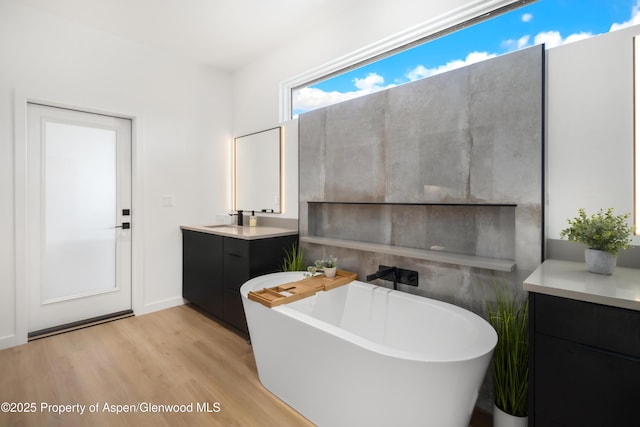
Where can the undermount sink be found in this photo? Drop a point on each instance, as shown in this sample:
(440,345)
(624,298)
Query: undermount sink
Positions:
(222,226)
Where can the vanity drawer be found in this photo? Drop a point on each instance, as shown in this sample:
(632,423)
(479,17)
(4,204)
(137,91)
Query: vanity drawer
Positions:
(236,247)
(600,326)
(577,385)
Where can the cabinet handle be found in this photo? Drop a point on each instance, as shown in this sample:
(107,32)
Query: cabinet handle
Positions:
(232,254)
(611,353)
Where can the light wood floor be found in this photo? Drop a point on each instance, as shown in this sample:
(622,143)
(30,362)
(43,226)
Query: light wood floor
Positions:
(176,357)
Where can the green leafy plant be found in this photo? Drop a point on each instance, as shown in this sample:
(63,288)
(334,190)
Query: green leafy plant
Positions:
(329,262)
(293,259)
(321,264)
(510,370)
(602,231)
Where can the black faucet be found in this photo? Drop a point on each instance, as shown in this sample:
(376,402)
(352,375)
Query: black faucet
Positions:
(398,275)
(384,273)
(239,213)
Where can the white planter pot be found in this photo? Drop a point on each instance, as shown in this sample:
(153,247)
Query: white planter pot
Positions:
(330,272)
(502,419)
(600,262)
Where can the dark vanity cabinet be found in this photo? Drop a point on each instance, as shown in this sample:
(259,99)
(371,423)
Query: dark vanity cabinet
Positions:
(202,259)
(214,268)
(584,363)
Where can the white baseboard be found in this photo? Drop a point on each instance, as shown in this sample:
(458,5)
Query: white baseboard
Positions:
(10,341)
(159,305)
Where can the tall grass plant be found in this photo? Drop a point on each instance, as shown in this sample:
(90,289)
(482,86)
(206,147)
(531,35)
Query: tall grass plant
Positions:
(510,369)
(293,259)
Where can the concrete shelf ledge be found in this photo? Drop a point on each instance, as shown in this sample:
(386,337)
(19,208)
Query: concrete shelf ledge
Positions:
(425,254)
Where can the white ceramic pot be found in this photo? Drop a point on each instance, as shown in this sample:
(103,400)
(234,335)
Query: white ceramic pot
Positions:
(502,419)
(600,262)
(330,272)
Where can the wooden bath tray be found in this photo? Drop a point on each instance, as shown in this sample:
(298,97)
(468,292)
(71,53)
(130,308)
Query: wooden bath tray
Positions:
(295,291)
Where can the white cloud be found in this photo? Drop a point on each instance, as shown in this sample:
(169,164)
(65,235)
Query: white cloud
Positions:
(549,38)
(372,81)
(512,44)
(635,19)
(554,38)
(577,37)
(421,71)
(309,98)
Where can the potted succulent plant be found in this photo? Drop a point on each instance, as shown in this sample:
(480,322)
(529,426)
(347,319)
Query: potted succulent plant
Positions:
(327,265)
(604,234)
(510,365)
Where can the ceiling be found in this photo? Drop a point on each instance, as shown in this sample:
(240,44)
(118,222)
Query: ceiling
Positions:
(225,34)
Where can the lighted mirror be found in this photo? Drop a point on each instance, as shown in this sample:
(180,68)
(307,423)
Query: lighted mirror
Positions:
(257,165)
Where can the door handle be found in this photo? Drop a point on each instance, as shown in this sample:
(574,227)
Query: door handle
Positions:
(124,226)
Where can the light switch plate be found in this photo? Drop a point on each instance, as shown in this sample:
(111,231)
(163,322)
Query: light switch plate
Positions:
(167,202)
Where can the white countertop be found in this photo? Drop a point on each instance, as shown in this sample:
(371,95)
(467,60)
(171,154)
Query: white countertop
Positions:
(573,280)
(241,232)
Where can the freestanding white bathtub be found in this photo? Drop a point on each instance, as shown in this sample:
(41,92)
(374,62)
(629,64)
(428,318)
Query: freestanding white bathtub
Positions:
(364,355)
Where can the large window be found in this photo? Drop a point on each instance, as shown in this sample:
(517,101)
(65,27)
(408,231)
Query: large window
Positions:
(553,22)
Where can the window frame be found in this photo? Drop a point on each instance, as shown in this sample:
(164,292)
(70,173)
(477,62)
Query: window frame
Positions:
(454,20)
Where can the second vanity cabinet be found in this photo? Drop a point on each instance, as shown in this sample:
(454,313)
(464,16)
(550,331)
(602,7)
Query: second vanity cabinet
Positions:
(216,266)
(584,352)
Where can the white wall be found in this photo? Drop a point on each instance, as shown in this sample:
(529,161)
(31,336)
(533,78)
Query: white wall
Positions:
(183,138)
(590,127)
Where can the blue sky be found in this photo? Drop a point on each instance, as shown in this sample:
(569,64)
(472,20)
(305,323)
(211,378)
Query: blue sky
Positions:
(553,22)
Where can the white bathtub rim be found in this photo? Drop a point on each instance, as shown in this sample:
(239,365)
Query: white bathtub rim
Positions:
(356,339)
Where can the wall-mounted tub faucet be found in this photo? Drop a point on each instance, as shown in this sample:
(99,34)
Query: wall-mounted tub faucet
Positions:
(397,275)
(385,273)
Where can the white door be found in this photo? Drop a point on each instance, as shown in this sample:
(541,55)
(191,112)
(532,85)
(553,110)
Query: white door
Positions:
(78,216)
